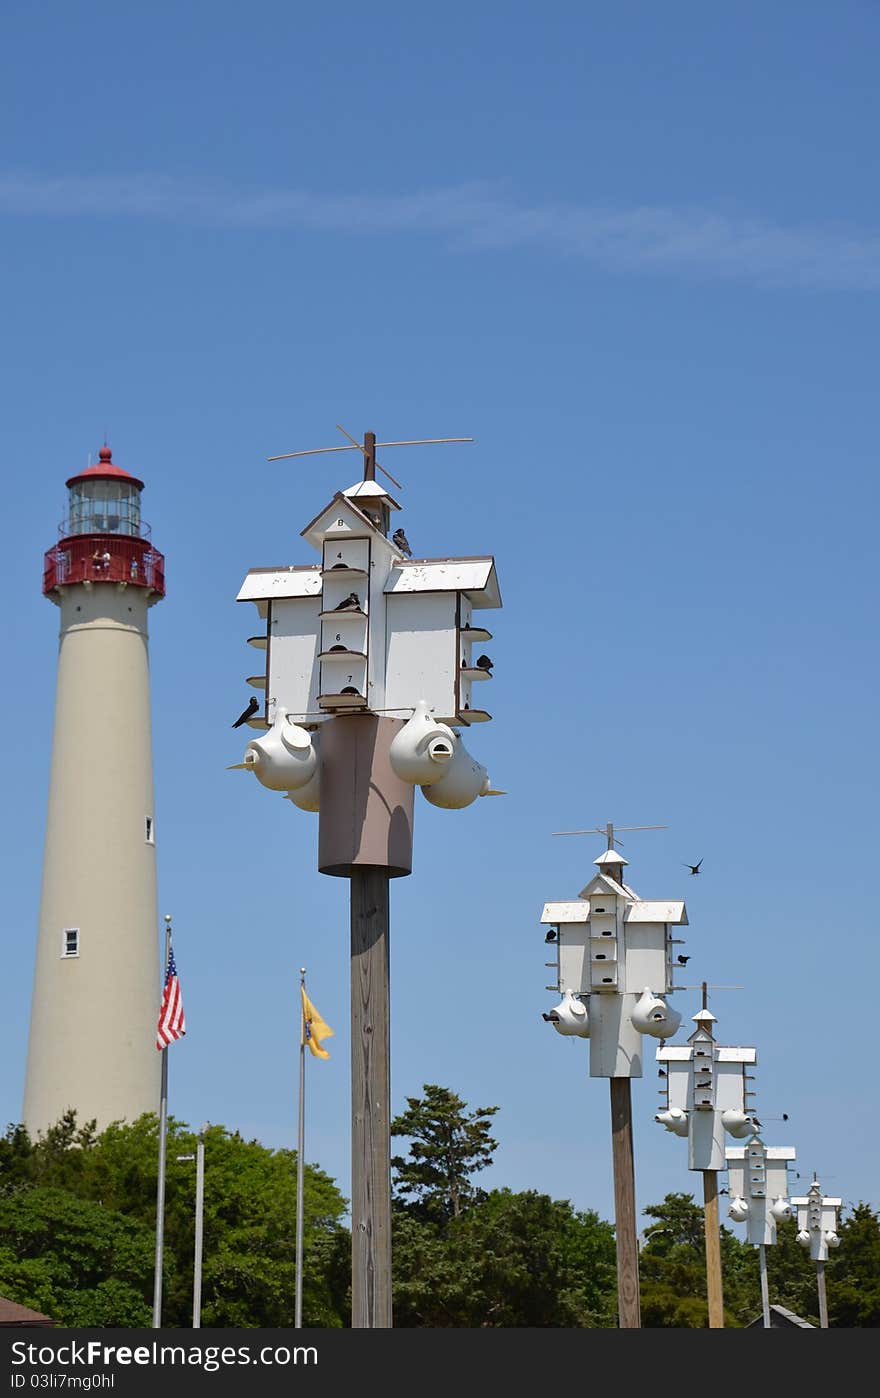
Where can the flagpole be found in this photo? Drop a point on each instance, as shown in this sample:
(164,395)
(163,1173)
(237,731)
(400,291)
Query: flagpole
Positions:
(300,1158)
(160,1186)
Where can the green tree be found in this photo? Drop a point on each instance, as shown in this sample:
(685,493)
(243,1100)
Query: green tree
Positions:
(672,1269)
(853,1271)
(67,1256)
(448,1145)
(249,1227)
(464,1257)
(511,1259)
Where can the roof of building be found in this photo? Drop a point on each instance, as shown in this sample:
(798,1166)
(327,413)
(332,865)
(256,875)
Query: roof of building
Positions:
(11,1313)
(104,469)
(782,1319)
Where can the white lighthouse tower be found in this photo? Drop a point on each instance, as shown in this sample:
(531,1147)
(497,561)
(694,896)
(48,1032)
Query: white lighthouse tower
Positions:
(93,1017)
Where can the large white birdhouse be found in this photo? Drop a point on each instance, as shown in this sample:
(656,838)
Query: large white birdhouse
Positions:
(757,1178)
(818,1218)
(614,956)
(372,633)
(706,1093)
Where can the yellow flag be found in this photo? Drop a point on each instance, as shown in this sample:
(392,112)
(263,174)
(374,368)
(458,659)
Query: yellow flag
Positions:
(314,1027)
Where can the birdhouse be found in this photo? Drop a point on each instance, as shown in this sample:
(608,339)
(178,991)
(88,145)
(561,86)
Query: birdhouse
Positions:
(818,1221)
(371,634)
(758,1177)
(614,952)
(369,629)
(707,1082)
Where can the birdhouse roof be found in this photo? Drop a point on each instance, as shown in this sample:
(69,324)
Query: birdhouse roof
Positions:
(370,490)
(770,1152)
(610,856)
(704,1018)
(303,580)
(475,577)
(576,911)
(604,883)
(656,912)
(354,522)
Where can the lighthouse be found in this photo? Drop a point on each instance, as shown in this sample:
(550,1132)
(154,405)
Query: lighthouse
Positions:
(96,981)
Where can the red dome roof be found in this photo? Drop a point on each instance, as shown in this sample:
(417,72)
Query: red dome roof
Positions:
(104,469)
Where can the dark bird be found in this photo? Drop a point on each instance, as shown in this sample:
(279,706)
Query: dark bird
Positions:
(551,935)
(661,1072)
(350,601)
(755,1121)
(400,539)
(253,705)
(551,1018)
(785,1116)
(682,960)
(483,662)
(694,868)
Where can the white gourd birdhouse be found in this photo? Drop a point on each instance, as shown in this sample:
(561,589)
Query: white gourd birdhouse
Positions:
(614,952)
(707,1082)
(758,1181)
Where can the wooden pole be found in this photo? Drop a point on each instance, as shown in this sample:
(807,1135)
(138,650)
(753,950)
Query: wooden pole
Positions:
(823,1299)
(628,1302)
(370,1101)
(713,1250)
(765,1290)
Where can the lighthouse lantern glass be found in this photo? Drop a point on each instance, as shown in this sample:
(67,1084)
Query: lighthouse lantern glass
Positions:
(105,507)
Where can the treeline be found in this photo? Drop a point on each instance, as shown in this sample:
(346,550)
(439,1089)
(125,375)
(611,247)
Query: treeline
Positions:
(77,1237)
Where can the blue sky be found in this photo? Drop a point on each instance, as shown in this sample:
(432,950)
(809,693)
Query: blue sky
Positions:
(634,251)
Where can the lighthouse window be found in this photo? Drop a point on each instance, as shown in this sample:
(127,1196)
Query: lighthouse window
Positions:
(70,941)
(149,830)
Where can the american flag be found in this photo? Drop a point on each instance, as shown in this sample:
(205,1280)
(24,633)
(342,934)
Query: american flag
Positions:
(171,1024)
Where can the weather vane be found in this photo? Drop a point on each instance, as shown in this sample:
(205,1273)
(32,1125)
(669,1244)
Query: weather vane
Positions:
(371,465)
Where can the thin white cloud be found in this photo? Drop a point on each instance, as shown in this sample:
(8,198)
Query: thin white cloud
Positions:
(692,242)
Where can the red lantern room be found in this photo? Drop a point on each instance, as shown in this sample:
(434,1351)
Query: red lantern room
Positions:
(104,539)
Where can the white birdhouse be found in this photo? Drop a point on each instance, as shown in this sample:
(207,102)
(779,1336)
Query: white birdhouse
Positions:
(707,1083)
(818,1219)
(758,1181)
(614,953)
(371,631)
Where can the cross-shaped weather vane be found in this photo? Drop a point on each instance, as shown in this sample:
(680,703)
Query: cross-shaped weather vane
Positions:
(370,445)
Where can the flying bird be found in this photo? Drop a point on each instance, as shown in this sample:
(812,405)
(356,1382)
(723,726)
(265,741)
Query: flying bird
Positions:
(483,662)
(347,603)
(253,705)
(400,539)
(682,960)
(694,868)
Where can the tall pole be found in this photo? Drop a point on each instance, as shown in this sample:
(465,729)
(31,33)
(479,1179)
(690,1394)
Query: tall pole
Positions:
(765,1290)
(713,1249)
(628,1302)
(370,1100)
(300,1158)
(823,1299)
(160,1185)
(200,1214)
